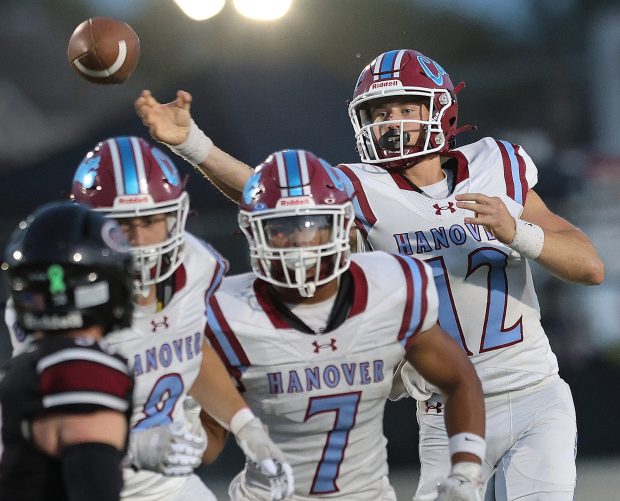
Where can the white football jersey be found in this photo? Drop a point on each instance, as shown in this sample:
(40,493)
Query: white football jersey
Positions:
(164,350)
(487,300)
(322,396)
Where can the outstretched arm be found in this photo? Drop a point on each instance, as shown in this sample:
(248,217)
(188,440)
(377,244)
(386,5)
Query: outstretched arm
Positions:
(171,123)
(556,244)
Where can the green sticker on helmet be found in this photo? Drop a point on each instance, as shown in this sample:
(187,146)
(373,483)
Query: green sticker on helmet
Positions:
(56,275)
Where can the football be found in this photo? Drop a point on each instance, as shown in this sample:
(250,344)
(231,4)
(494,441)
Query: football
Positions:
(103,50)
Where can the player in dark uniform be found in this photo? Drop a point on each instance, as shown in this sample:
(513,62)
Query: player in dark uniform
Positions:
(66,401)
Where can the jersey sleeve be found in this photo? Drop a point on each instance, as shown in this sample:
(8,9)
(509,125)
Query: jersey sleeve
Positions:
(224,341)
(520,172)
(421,303)
(365,218)
(79,379)
(220,268)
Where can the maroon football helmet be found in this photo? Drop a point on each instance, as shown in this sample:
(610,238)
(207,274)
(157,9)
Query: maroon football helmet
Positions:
(126,177)
(392,76)
(296,213)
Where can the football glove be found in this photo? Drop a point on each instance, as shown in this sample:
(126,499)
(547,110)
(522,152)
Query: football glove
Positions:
(267,457)
(172,450)
(463,483)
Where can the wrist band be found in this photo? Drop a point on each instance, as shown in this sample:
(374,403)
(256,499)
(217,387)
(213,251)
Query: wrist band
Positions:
(468,442)
(195,149)
(240,419)
(529,239)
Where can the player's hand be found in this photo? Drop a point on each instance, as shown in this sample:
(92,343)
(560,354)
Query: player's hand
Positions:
(463,484)
(267,457)
(168,123)
(172,450)
(490,212)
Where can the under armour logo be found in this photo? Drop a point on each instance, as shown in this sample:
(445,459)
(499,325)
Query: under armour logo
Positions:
(438,208)
(318,347)
(157,325)
(429,407)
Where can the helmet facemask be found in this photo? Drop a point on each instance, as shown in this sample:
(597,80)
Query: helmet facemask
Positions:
(154,263)
(301,248)
(374,148)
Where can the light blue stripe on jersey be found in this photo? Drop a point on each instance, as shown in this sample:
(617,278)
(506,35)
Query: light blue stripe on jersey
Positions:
(128,164)
(216,328)
(291,162)
(416,315)
(514,169)
(387,64)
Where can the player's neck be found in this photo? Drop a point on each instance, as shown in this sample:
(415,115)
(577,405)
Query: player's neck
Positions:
(322,293)
(148,299)
(426,172)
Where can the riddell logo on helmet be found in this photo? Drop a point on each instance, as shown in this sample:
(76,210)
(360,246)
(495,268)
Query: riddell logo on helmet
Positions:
(133,199)
(294,202)
(386,83)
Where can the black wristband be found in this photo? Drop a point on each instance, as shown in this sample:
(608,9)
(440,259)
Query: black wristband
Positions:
(92,472)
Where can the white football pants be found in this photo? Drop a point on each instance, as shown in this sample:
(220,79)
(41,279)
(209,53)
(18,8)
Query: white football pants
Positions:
(183,489)
(531,444)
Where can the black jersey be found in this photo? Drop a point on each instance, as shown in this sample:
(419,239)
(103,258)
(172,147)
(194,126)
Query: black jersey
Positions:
(59,375)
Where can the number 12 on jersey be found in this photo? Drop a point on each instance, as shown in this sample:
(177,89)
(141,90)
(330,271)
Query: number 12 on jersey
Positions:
(494,335)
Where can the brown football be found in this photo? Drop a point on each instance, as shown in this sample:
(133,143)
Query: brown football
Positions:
(103,50)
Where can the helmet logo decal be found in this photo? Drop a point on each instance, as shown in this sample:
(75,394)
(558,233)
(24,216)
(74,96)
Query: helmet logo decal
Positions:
(385,83)
(252,188)
(436,76)
(56,276)
(387,65)
(167,167)
(87,172)
(295,202)
(293,173)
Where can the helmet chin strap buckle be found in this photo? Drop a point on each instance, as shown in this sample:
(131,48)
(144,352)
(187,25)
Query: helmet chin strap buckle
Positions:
(306,289)
(391,140)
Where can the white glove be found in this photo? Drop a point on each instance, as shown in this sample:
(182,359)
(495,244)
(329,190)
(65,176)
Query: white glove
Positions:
(463,483)
(252,437)
(192,409)
(172,450)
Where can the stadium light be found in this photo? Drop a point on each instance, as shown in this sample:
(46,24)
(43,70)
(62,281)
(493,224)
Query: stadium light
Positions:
(199,10)
(263,10)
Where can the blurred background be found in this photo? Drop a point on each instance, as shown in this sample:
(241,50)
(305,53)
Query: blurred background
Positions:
(541,73)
